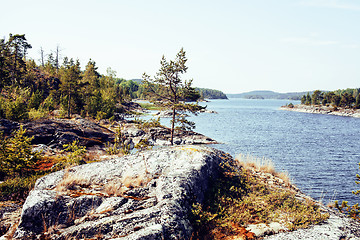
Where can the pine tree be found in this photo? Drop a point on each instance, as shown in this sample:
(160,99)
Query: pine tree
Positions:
(357,102)
(308,99)
(91,91)
(303,99)
(171,92)
(70,79)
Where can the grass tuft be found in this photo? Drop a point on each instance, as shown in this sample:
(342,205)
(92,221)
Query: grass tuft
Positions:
(72,182)
(264,165)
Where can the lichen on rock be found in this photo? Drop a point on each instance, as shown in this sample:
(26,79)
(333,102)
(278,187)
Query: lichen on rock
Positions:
(155,207)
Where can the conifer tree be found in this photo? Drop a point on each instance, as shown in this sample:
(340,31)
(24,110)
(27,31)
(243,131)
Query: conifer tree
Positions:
(91,91)
(308,99)
(70,78)
(171,92)
(16,155)
(18,47)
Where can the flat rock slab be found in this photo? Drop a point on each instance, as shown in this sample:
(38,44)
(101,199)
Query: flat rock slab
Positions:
(147,195)
(57,132)
(337,227)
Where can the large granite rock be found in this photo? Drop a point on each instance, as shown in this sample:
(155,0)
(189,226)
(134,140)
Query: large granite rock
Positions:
(54,133)
(147,195)
(57,132)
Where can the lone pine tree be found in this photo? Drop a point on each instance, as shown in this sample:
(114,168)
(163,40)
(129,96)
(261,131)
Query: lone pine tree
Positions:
(169,91)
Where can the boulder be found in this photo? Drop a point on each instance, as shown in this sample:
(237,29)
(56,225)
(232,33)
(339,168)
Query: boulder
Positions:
(147,195)
(57,132)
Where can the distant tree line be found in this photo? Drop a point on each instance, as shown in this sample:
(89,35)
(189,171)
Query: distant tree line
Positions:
(206,93)
(348,98)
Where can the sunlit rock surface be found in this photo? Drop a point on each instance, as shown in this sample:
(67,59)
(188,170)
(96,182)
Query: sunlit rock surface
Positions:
(142,196)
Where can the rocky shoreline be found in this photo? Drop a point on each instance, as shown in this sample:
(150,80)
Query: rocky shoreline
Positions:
(147,195)
(51,134)
(317,109)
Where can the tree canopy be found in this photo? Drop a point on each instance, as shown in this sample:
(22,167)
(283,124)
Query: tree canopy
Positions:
(30,91)
(347,98)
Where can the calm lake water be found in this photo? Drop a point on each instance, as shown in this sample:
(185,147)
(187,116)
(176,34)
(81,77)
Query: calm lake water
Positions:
(320,152)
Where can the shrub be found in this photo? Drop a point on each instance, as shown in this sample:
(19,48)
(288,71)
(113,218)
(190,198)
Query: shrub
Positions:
(75,153)
(100,115)
(35,114)
(35,100)
(352,211)
(16,155)
(17,188)
(146,124)
(16,110)
(238,198)
(120,145)
(48,104)
(290,105)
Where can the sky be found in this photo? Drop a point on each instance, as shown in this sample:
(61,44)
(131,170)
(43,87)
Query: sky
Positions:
(232,45)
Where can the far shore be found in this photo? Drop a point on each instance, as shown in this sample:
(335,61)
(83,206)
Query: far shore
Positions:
(318,109)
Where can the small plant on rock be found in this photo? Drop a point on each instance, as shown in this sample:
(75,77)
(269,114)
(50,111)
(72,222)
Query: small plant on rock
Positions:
(75,152)
(120,145)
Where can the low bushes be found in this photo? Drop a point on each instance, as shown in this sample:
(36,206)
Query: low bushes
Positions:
(239,198)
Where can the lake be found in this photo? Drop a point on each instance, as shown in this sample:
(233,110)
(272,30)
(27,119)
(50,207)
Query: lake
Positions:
(320,152)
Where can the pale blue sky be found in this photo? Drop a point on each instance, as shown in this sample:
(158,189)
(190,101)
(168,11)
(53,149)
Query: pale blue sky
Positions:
(232,45)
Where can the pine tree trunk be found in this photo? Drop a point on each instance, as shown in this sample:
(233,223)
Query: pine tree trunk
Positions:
(173,127)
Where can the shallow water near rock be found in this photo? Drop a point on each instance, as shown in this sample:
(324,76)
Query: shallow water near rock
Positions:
(320,152)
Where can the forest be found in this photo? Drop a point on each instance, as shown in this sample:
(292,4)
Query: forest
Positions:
(347,98)
(206,93)
(30,90)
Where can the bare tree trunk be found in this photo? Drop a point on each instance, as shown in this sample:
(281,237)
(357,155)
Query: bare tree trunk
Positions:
(57,53)
(42,56)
